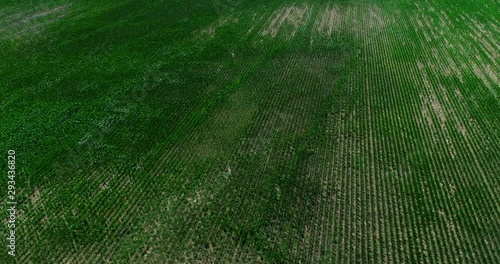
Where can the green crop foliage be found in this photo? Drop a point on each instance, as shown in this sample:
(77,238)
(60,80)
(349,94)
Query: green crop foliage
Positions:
(259,131)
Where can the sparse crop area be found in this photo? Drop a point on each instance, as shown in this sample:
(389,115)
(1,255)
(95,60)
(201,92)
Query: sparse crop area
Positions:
(258,131)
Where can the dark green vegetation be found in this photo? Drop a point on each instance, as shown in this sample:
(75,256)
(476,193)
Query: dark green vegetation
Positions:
(252,131)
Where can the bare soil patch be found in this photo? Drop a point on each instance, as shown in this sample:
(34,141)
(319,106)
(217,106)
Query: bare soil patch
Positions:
(18,25)
(292,16)
(330,20)
(35,196)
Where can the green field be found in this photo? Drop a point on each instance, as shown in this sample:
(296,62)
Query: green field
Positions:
(251,131)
